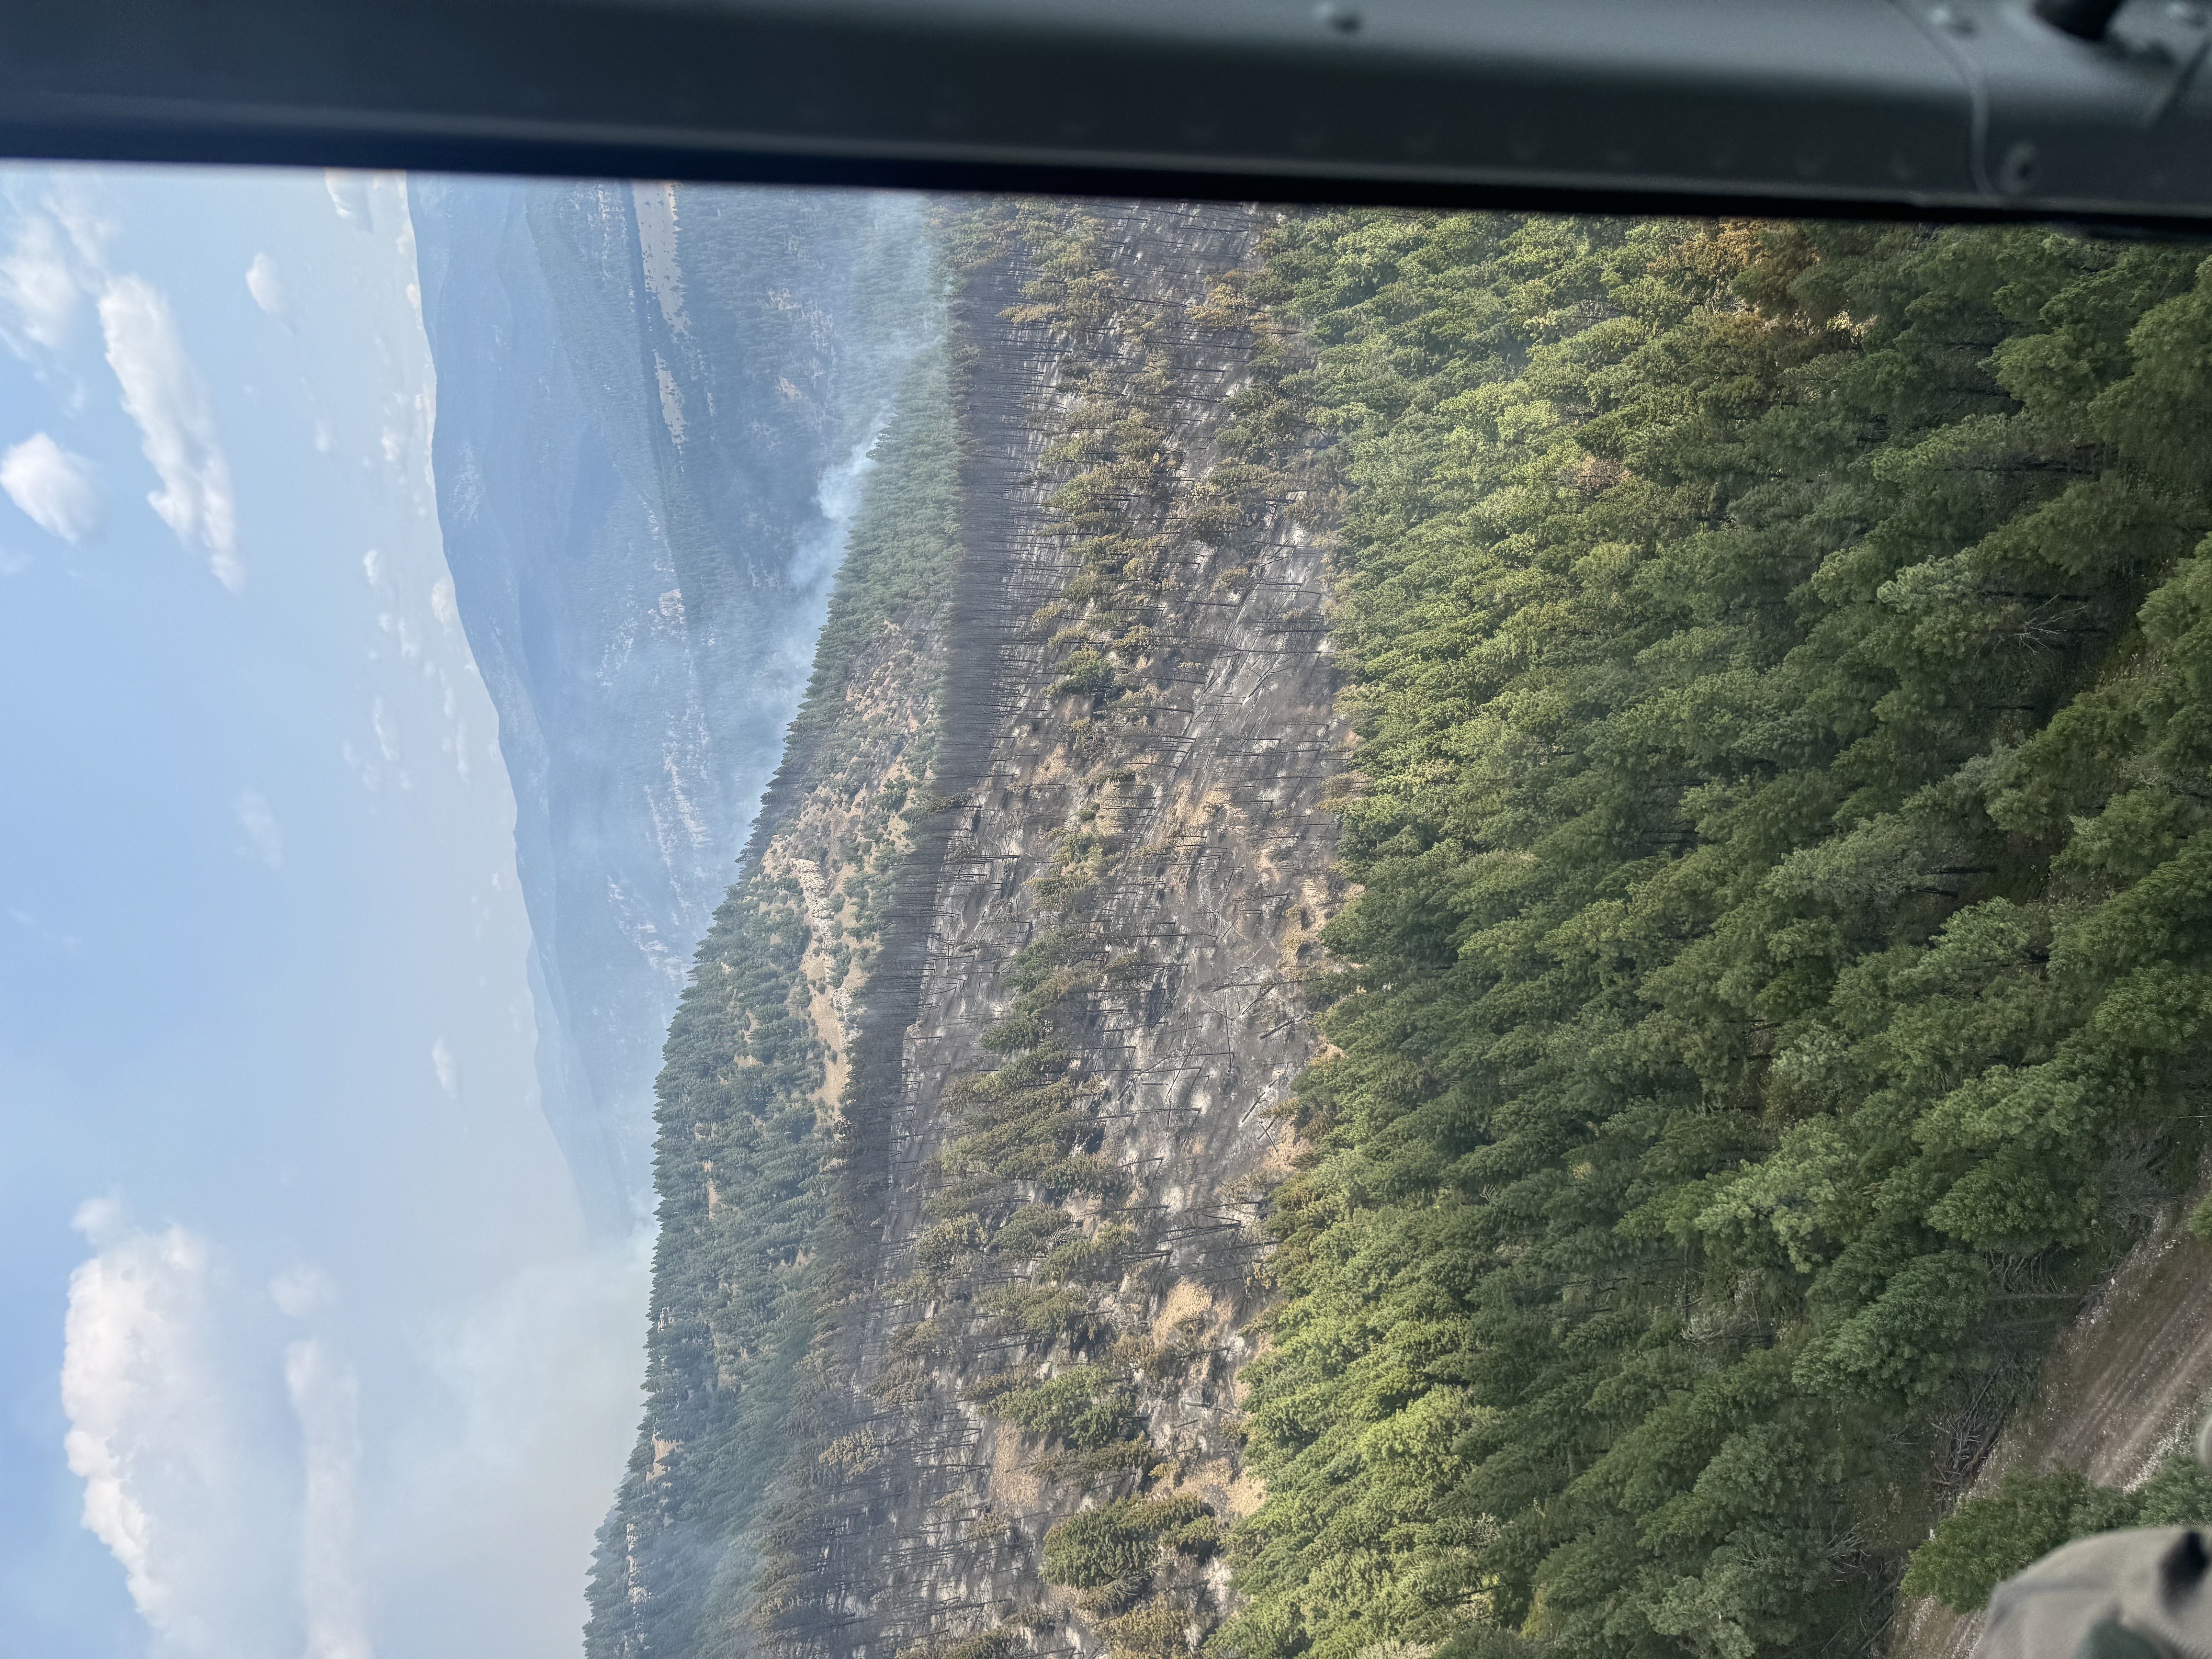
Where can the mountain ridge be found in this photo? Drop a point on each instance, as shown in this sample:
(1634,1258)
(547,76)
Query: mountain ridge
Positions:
(641,585)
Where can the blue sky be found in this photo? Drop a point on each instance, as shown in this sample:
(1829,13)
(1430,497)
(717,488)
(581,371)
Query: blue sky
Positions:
(305,1349)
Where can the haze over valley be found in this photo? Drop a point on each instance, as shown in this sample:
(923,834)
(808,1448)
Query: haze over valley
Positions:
(655,409)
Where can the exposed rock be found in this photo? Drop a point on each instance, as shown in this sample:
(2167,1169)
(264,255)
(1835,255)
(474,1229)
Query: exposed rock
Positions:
(1069,803)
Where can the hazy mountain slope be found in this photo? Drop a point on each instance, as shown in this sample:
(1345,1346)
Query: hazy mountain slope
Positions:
(1041,872)
(759,1058)
(653,404)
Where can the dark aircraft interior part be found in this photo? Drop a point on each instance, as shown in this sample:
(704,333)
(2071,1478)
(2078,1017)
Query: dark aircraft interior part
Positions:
(1953,107)
(2086,20)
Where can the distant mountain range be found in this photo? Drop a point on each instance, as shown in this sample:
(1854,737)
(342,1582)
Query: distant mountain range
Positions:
(654,404)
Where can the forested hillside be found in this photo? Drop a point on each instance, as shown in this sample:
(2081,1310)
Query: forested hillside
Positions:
(965,1133)
(1779,985)
(1751,681)
(758,1064)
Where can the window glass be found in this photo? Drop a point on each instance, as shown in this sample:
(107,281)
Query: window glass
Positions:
(830,923)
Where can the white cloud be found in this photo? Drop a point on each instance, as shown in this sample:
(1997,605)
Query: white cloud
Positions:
(260,826)
(123,1311)
(102,1220)
(264,284)
(349,193)
(262,1507)
(163,392)
(447,1069)
(39,292)
(59,491)
(160,1432)
(326,1399)
(77,204)
(442,606)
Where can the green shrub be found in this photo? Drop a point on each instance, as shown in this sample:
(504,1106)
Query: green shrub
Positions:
(1115,1543)
(1987,1540)
(1028,1230)
(1082,1407)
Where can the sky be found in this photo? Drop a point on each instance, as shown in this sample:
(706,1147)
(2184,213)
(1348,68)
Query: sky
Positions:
(303,1348)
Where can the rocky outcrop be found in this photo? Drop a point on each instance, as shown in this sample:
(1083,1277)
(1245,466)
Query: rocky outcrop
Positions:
(1186,1027)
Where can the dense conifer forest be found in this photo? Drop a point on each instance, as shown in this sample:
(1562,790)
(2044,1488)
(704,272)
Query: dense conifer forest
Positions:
(1778,984)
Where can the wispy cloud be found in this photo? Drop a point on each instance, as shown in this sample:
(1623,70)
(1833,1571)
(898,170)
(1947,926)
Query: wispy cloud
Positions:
(301,1290)
(447,1069)
(58,255)
(349,194)
(370,776)
(260,827)
(163,392)
(79,204)
(265,286)
(57,489)
(39,292)
(68,943)
(161,389)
